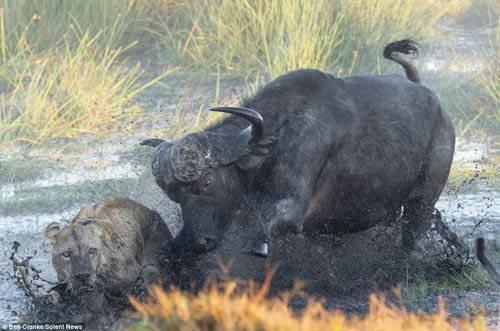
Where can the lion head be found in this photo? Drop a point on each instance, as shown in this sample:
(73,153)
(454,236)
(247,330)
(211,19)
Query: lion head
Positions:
(77,253)
(105,245)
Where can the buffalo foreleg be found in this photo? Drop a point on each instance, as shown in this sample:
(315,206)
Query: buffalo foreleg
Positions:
(272,219)
(257,235)
(287,217)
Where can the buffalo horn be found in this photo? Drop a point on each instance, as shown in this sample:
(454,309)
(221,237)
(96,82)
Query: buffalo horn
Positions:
(250,115)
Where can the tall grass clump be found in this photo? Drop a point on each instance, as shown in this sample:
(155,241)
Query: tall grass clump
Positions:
(45,22)
(190,115)
(272,37)
(489,82)
(77,87)
(229,308)
(479,13)
(369,25)
(277,36)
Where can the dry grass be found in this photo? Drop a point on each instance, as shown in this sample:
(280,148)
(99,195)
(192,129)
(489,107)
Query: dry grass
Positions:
(475,105)
(45,22)
(228,307)
(78,87)
(63,71)
(485,169)
(190,113)
(270,38)
(489,82)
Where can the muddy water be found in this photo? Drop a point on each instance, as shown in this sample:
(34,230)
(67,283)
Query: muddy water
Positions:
(26,208)
(471,211)
(28,230)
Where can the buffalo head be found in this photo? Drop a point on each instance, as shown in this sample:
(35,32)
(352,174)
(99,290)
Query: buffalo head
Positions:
(202,172)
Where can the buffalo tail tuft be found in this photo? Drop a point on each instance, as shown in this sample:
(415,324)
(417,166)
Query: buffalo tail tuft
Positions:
(405,46)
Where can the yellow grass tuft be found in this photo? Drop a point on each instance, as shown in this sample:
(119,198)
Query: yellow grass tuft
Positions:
(228,307)
(489,81)
(270,38)
(67,91)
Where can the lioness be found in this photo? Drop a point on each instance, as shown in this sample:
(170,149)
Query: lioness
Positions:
(112,245)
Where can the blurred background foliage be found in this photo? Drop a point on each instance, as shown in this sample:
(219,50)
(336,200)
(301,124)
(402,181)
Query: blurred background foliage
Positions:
(77,67)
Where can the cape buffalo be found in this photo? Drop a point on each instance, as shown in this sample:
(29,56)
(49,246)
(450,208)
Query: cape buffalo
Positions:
(321,153)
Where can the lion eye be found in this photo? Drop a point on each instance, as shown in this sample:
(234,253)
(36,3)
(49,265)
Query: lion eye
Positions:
(66,254)
(93,251)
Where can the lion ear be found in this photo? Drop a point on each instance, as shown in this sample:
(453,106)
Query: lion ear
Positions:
(51,233)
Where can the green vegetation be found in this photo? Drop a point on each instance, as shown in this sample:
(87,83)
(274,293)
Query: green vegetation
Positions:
(489,83)
(66,93)
(66,87)
(20,169)
(474,101)
(474,172)
(53,199)
(42,23)
(470,279)
(69,68)
(269,38)
(479,12)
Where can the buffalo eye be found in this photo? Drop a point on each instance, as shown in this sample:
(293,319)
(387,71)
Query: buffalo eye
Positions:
(202,187)
(207,184)
(66,254)
(93,251)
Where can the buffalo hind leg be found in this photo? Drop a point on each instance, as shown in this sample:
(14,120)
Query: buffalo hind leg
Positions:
(417,218)
(480,251)
(419,207)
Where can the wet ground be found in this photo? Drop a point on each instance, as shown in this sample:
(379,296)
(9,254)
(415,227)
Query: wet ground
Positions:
(470,207)
(119,167)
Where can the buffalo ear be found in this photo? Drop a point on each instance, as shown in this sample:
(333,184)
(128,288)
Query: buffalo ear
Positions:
(51,233)
(258,155)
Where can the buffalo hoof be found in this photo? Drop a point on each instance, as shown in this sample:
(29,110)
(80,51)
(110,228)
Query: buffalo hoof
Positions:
(259,249)
(287,218)
(282,228)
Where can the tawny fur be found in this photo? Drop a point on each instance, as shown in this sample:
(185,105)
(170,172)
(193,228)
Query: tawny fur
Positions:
(127,236)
